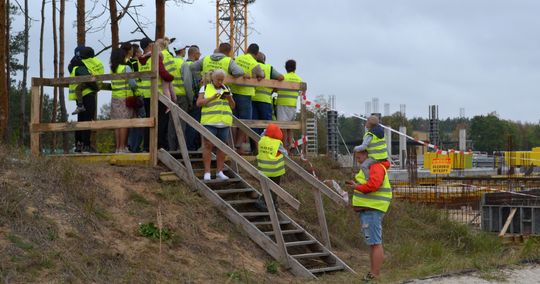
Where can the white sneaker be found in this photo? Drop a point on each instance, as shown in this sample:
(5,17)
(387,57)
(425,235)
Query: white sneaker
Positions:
(207,176)
(221,175)
(125,150)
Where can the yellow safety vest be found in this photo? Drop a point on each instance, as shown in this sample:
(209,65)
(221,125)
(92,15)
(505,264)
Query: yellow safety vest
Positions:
(288,98)
(264,94)
(377,147)
(169,64)
(120,88)
(178,82)
(217,111)
(208,64)
(143,86)
(95,67)
(247,63)
(379,200)
(267,162)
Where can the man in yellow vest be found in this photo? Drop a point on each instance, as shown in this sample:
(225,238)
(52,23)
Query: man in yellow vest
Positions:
(242,94)
(193,138)
(371,199)
(374,143)
(219,60)
(262,100)
(84,63)
(287,100)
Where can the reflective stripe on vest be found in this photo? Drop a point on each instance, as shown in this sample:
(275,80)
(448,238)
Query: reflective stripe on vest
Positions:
(379,199)
(208,64)
(264,94)
(288,98)
(377,147)
(144,84)
(94,66)
(120,88)
(72,96)
(217,111)
(178,82)
(247,63)
(267,161)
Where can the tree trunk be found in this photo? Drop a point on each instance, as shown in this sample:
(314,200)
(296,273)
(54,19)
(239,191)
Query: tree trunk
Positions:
(55,66)
(114,24)
(42,29)
(3,63)
(7,134)
(22,113)
(63,111)
(81,27)
(160,18)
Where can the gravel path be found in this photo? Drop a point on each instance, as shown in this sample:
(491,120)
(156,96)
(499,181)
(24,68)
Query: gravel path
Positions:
(528,274)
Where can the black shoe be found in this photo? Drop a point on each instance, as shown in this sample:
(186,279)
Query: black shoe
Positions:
(78,148)
(368,278)
(88,150)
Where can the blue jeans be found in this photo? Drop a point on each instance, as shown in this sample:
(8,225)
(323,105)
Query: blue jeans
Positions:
(135,139)
(220,132)
(262,111)
(371,221)
(243,106)
(193,138)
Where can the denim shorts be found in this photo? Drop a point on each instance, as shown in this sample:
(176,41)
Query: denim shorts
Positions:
(242,110)
(220,132)
(371,222)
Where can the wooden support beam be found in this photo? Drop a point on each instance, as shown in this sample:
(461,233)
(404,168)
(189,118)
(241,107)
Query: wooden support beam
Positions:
(287,197)
(51,82)
(280,85)
(153,132)
(508,222)
(182,145)
(283,258)
(263,123)
(92,125)
(322,218)
(35,118)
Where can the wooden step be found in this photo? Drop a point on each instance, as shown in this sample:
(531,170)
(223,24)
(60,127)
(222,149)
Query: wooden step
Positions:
(300,243)
(311,255)
(234,190)
(326,269)
(260,223)
(254,214)
(221,180)
(242,201)
(286,232)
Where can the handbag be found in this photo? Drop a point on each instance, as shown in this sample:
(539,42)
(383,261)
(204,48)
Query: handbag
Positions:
(134,102)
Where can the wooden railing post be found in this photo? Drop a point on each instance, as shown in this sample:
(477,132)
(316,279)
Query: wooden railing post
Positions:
(275,221)
(303,121)
(322,218)
(182,145)
(153,131)
(35,118)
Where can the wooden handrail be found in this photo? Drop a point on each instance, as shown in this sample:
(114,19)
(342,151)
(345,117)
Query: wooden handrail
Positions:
(247,166)
(90,78)
(295,167)
(93,125)
(280,85)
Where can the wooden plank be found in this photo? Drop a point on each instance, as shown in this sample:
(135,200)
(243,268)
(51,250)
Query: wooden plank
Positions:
(286,232)
(260,223)
(182,144)
(313,181)
(287,197)
(322,218)
(111,158)
(90,78)
(275,84)
(168,176)
(264,123)
(153,131)
(241,201)
(508,222)
(234,190)
(254,214)
(275,222)
(35,118)
(311,255)
(92,125)
(326,269)
(173,164)
(303,121)
(301,243)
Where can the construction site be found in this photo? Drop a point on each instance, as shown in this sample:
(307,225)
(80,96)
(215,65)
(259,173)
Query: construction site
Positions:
(458,207)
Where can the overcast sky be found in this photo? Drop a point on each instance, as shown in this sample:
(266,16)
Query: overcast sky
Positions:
(481,55)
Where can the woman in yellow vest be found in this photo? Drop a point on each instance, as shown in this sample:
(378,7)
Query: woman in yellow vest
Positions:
(121,90)
(216,104)
(371,199)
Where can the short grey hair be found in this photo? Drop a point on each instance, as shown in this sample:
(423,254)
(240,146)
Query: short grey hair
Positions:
(217,72)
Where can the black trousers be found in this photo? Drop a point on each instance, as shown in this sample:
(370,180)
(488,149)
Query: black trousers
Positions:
(89,103)
(146,132)
(163,122)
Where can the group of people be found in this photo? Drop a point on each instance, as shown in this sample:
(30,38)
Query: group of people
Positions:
(214,106)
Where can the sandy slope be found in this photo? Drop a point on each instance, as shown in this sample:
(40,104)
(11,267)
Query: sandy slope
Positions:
(524,275)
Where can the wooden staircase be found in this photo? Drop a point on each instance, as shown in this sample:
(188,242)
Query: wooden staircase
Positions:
(274,231)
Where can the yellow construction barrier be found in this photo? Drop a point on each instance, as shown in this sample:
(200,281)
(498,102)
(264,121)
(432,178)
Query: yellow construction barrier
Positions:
(459,161)
(523,158)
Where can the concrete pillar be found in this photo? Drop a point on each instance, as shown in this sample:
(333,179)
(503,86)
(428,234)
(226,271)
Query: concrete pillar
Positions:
(388,138)
(463,139)
(402,147)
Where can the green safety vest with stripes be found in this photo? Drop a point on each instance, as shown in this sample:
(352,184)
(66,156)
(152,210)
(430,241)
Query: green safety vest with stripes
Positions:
(377,147)
(247,63)
(120,88)
(217,111)
(95,67)
(209,65)
(264,94)
(379,200)
(288,98)
(267,161)
(178,82)
(143,87)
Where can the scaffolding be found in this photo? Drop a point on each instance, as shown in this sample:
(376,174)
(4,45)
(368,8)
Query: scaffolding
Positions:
(232,24)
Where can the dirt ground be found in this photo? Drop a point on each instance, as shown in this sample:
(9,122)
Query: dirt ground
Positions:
(527,274)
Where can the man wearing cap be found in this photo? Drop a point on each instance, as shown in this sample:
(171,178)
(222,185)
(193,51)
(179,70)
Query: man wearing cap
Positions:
(145,64)
(183,89)
(218,60)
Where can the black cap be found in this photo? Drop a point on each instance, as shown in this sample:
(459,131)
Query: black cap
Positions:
(145,42)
